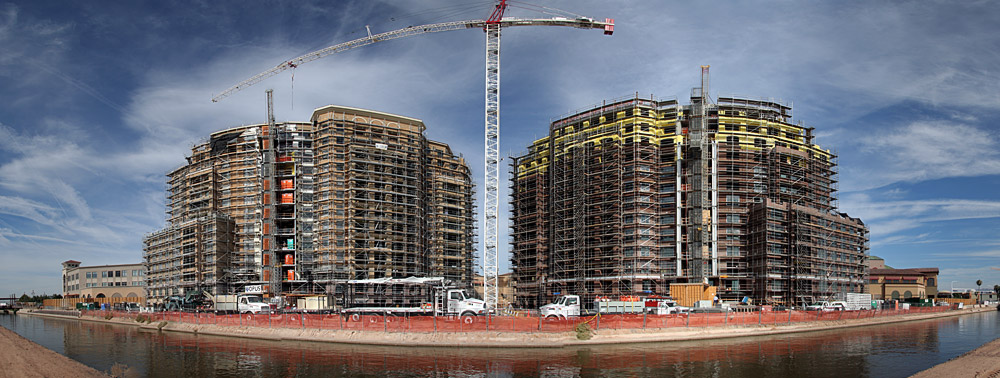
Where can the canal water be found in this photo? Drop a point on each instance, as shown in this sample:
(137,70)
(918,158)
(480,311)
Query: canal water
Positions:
(894,350)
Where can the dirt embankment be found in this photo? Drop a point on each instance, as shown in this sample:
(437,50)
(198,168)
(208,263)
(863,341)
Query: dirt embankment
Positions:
(22,358)
(514,339)
(981,362)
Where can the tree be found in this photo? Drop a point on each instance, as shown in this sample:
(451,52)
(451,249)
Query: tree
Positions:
(979,287)
(24,298)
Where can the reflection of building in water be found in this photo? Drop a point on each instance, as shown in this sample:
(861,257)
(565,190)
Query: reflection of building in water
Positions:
(852,352)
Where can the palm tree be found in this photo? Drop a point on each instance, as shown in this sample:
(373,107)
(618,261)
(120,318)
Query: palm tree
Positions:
(979,286)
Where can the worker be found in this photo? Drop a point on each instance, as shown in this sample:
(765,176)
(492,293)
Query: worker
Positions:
(715,301)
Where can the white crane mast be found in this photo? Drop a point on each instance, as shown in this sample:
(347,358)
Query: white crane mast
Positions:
(492,27)
(491,259)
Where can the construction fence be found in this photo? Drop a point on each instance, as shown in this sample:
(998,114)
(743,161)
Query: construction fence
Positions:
(425,324)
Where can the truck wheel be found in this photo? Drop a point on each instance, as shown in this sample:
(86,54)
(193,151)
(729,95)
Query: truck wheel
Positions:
(355,318)
(551,318)
(468,319)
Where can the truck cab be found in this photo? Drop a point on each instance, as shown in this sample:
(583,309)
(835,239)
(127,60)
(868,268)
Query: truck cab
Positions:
(666,307)
(459,302)
(563,307)
(253,304)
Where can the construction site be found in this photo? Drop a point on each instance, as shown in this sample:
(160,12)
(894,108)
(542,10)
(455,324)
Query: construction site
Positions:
(291,209)
(633,195)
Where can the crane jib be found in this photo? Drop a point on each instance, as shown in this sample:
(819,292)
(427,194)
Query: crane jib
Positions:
(584,23)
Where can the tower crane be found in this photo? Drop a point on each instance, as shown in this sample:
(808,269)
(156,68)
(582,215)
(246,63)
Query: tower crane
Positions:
(491,26)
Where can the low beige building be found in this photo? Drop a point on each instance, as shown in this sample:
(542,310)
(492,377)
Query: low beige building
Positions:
(104,281)
(903,283)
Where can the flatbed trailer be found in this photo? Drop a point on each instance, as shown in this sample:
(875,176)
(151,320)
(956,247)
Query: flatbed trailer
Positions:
(415,296)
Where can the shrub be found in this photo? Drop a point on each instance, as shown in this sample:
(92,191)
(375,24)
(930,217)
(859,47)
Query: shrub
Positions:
(583,331)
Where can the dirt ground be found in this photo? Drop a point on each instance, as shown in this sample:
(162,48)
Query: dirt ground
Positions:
(981,362)
(20,357)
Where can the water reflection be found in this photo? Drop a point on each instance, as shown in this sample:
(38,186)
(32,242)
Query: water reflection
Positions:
(895,350)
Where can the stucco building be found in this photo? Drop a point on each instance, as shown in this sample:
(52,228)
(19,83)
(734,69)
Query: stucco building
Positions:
(103,281)
(902,284)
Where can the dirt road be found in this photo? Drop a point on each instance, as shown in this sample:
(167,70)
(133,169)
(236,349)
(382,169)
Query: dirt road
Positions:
(20,357)
(981,362)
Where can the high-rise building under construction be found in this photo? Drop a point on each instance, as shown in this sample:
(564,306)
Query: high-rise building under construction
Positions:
(296,207)
(635,194)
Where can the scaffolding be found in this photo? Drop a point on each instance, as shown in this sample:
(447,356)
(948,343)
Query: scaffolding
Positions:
(353,194)
(629,196)
(391,203)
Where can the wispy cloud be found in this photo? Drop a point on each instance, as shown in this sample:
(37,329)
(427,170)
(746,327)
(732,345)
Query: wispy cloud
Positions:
(888,217)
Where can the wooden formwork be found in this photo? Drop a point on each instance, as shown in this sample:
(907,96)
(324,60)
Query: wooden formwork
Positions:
(687,294)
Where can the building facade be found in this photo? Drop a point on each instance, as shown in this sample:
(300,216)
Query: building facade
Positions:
(632,195)
(900,284)
(103,281)
(297,207)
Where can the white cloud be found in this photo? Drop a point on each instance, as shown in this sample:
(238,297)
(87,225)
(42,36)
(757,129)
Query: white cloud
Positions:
(921,151)
(888,217)
(836,61)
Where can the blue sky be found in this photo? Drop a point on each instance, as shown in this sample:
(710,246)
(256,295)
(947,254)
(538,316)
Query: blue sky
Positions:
(100,99)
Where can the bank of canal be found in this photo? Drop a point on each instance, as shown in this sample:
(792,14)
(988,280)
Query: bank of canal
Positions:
(890,350)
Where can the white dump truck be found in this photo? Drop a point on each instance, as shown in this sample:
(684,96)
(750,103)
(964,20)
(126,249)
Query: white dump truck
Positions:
(408,296)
